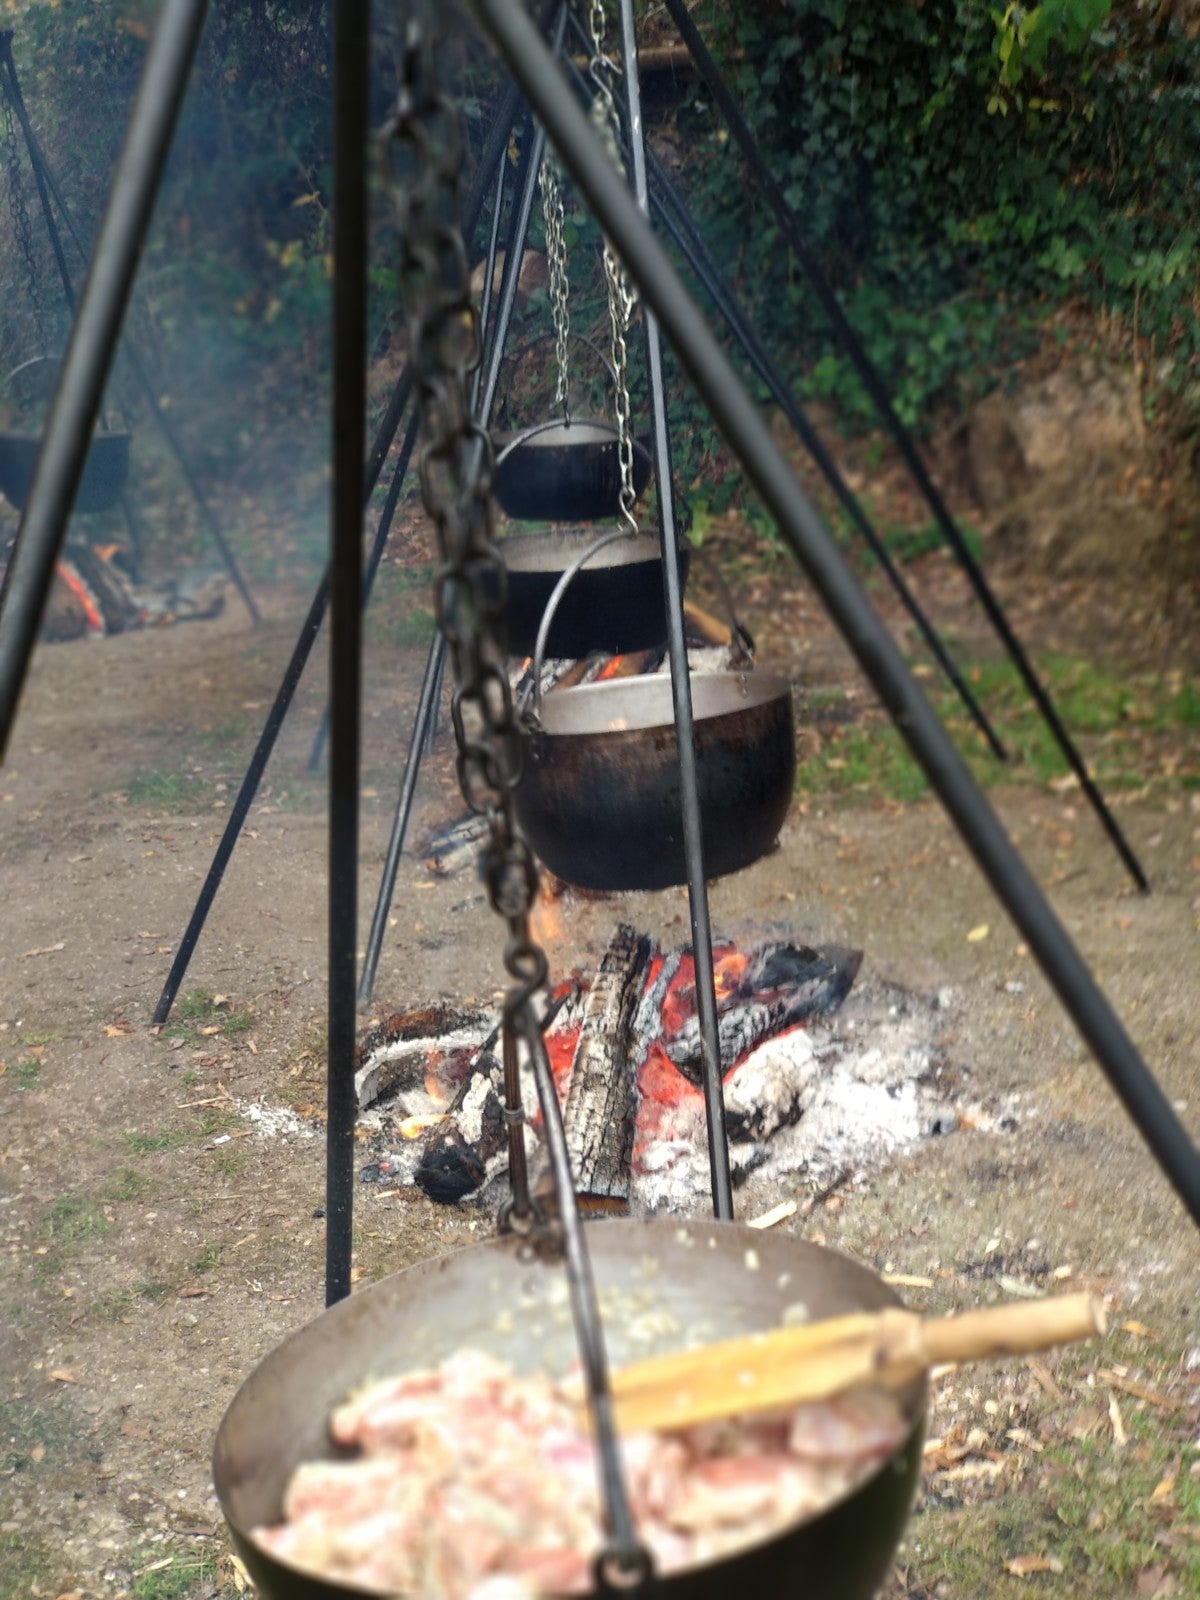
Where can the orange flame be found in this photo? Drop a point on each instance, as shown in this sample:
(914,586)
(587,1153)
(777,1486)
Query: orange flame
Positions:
(414,1127)
(545,921)
(729,967)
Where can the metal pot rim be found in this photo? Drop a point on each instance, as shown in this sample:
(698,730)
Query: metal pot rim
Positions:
(627,705)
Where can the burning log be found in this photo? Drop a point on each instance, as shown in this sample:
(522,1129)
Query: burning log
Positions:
(601,1096)
(759,996)
(806,1088)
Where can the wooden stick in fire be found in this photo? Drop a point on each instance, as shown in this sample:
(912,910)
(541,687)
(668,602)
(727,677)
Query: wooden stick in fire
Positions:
(814,1361)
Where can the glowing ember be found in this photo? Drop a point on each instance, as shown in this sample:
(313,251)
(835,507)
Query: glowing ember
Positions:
(414,1127)
(545,921)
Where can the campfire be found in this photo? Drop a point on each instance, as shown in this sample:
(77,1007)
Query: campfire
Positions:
(818,1076)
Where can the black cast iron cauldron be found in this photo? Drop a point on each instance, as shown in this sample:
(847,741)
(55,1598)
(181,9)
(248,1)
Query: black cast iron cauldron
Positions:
(616,603)
(565,471)
(104,473)
(660,1283)
(600,799)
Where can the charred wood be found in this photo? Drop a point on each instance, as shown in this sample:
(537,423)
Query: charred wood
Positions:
(601,1101)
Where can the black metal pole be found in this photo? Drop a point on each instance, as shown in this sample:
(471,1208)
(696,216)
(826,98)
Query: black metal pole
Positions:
(94,335)
(750,439)
(678,222)
(351,101)
(9,67)
(786,218)
(426,706)
(494,147)
(681,686)
(45,178)
(382,528)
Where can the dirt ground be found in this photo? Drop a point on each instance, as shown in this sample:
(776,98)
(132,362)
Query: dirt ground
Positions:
(161,1241)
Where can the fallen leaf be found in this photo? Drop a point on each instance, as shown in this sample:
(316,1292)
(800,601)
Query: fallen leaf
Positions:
(976,934)
(1025,1566)
(193,1291)
(1139,1329)
(116,1030)
(46,949)
(1084,1423)
(64,1375)
(1120,1437)
(779,1213)
(135,1430)
(1164,1488)
(1154,1582)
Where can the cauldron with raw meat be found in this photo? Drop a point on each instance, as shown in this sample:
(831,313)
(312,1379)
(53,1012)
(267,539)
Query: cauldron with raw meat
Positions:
(658,1281)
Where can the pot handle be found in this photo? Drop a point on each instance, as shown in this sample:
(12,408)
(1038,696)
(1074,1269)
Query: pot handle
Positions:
(742,640)
(545,337)
(524,435)
(552,605)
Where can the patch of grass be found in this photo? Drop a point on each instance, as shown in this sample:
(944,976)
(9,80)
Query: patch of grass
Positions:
(208,1258)
(871,757)
(1079,1503)
(27,1072)
(26,1564)
(164,1573)
(200,1009)
(198,1006)
(1131,731)
(33,1041)
(410,629)
(168,790)
(212,1120)
(128,1185)
(223,737)
(74,1217)
(147,1144)
(115,1305)
(155,1291)
(228,1163)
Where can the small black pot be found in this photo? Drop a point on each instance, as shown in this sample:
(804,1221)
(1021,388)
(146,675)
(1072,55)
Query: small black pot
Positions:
(616,603)
(565,472)
(104,471)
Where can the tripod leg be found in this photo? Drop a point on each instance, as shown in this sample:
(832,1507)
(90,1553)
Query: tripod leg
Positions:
(426,708)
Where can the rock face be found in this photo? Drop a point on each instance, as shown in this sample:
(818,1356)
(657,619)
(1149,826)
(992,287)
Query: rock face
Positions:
(1061,465)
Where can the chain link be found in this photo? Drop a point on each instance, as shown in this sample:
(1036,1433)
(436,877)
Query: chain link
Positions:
(424,159)
(621,297)
(19,212)
(560,286)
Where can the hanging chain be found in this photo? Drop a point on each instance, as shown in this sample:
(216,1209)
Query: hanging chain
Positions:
(424,156)
(560,287)
(19,212)
(621,297)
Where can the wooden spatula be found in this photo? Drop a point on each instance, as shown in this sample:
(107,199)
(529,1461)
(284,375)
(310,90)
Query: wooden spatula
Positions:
(783,1368)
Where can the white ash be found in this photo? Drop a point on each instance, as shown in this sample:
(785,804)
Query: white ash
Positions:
(370,1081)
(275,1122)
(865,1086)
